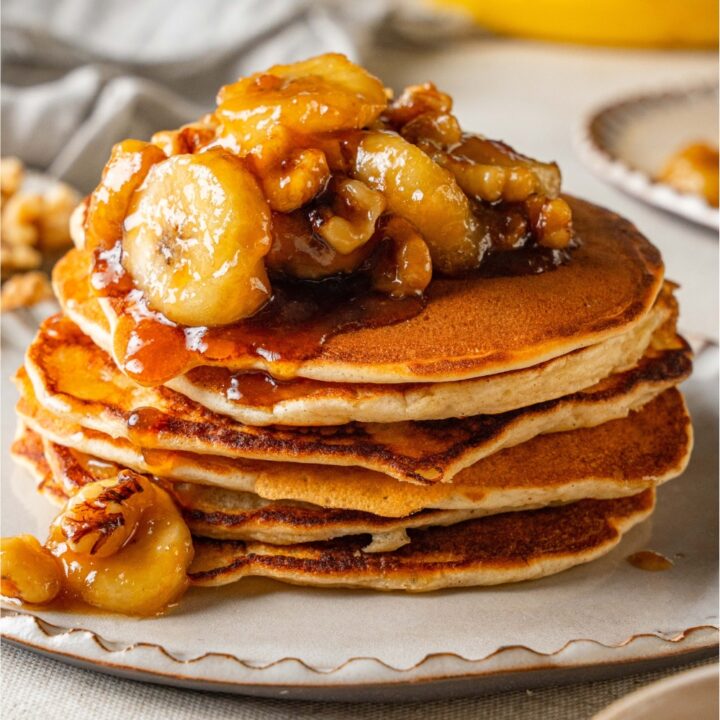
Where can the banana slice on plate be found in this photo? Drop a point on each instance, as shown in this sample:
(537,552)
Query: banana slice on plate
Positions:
(195,236)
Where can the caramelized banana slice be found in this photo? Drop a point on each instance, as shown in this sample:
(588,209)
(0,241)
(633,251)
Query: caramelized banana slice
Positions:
(295,180)
(103,516)
(419,190)
(129,163)
(29,572)
(145,572)
(322,94)
(491,170)
(694,169)
(195,237)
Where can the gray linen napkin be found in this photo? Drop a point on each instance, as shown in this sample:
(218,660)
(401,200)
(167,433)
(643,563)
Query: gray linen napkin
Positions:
(79,75)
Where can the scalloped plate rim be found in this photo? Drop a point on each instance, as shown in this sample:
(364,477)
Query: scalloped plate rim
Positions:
(357,673)
(613,169)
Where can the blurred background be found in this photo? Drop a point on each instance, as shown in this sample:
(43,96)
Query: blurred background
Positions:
(553,78)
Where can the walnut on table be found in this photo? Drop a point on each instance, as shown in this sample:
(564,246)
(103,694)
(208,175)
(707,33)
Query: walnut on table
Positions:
(32,225)
(12,172)
(25,290)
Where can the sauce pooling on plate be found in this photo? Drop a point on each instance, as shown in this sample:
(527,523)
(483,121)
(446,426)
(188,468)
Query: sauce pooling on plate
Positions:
(649,560)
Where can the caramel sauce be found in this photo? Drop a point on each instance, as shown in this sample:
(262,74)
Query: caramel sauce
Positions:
(142,424)
(650,561)
(65,602)
(528,260)
(302,315)
(161,462)
(83,470)
(291,328)
(68,602)
(258,389)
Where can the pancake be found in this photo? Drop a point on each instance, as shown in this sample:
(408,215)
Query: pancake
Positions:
(608,286)
(226,514)
(28,450)
(496,549)
(617,458)
(258,399)
(72,376)
(487,551)
(230,514)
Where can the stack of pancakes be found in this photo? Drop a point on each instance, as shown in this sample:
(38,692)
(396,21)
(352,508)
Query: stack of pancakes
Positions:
(517,426)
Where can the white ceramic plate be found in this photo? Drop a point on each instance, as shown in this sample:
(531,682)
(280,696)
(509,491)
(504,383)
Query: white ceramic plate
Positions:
(692,694)
(627,142)
(264,638)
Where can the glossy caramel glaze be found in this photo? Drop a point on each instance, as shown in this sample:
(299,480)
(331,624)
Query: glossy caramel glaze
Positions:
(650,561)
(611,282)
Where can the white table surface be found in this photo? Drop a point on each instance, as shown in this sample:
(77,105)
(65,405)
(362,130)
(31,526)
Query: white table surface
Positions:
(532,95)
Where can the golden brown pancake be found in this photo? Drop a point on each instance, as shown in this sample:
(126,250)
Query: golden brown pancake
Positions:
(608,286)
(28,450)
(72,376)
(259,399)
(487,551)
(230,514)
(225,514)
(620,457)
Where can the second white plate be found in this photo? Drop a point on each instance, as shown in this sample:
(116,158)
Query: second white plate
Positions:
(627,142)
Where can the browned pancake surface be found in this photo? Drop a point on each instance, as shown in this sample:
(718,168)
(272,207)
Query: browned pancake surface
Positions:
(620,457)
(474,326)
(69,372)
(496,549)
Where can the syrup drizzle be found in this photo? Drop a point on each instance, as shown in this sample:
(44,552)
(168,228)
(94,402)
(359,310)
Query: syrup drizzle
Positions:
(650,561)
(291,328)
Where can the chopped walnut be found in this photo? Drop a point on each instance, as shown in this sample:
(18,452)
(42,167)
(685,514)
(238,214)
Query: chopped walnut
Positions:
(20,219)
(58,204)
(32,223)
(12,172)
(349,221)
(25,290)
(18,258)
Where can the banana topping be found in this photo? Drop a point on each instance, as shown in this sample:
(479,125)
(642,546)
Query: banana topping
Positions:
(116,538)
(195,236)
(130,161)
(310,171)
(29,572)
(103,516)
(120,545)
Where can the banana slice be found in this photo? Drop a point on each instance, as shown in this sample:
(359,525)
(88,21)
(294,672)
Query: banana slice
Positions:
(419,190)
(142,576)
(129,163)
(323,94)
(29,572)
(195,237)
